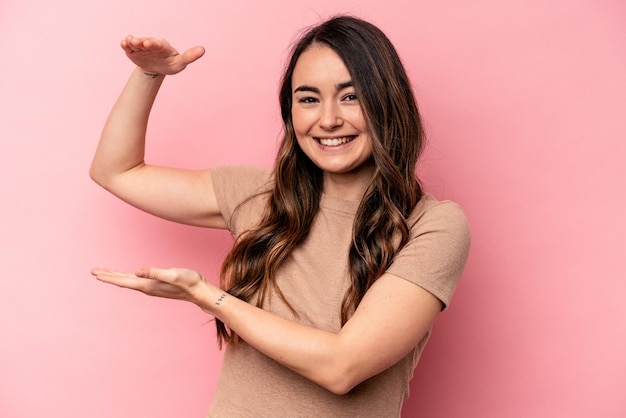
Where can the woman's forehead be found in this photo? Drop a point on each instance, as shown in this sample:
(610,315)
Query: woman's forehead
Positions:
(320,65)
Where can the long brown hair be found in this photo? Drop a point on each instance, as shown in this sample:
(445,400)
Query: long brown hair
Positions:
(381,227)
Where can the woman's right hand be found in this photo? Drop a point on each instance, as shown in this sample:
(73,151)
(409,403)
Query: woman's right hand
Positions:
(157,56)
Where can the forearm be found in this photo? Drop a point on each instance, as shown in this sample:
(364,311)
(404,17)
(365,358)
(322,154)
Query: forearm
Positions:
(122,143)
(391,320)
(318,355)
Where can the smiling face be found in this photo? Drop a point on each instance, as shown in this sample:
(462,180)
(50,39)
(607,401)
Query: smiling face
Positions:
(328,120)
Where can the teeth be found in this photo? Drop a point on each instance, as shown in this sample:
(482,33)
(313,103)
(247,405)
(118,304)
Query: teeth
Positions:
(333,142)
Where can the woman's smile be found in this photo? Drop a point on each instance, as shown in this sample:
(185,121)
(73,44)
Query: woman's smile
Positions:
(336,141)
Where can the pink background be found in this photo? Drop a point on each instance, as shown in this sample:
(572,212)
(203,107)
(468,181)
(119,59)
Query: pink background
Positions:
(526,114)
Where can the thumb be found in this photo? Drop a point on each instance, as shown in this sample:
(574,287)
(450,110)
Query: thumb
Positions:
(147,272)
(192,54)
(169,275)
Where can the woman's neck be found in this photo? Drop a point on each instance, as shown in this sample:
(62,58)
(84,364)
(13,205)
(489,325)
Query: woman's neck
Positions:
(351,185)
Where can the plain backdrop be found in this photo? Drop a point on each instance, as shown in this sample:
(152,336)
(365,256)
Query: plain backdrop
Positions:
(524,103)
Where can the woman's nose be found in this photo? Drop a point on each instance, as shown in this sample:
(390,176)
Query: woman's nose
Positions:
(330,117)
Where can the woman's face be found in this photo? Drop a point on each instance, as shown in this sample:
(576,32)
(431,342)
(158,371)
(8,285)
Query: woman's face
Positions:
(327,117)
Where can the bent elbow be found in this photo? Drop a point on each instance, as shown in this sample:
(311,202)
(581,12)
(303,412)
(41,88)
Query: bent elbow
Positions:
(341,387)
(103,175)
(93,174)
(340,382)
(98,176)
(97,171)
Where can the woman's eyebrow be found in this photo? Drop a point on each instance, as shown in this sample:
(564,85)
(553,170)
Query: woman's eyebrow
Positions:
(344,85)
(307,88)
(312,89)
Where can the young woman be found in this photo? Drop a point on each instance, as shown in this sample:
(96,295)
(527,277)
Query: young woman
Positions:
(341,262)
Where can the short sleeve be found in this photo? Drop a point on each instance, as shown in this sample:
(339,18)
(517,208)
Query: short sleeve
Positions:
(436,254)
(239,190)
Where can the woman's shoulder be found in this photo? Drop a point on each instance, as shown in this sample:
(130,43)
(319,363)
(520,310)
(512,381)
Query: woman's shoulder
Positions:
(445,218)
(235,185)
(241,180)
(236,172)
(438,249)
(431,208)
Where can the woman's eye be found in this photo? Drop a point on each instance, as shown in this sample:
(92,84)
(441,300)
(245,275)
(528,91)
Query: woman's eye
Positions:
(350,97)
(307,100)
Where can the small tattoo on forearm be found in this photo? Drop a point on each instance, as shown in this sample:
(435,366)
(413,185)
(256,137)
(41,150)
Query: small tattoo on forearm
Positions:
(152,75)
(221,299)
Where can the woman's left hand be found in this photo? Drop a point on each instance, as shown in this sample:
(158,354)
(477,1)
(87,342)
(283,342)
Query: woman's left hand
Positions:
(173,283)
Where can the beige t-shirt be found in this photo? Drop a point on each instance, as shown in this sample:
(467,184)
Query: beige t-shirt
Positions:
(314,279)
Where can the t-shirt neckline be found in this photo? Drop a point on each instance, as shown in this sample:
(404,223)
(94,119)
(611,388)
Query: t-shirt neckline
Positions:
(338,204)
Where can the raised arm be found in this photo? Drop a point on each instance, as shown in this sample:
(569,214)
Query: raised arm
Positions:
(184,196)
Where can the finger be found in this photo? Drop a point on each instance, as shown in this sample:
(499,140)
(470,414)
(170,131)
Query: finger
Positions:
(133,44)
(151,44)
(125,44)
(99,270)
(150,273)
(120,279)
